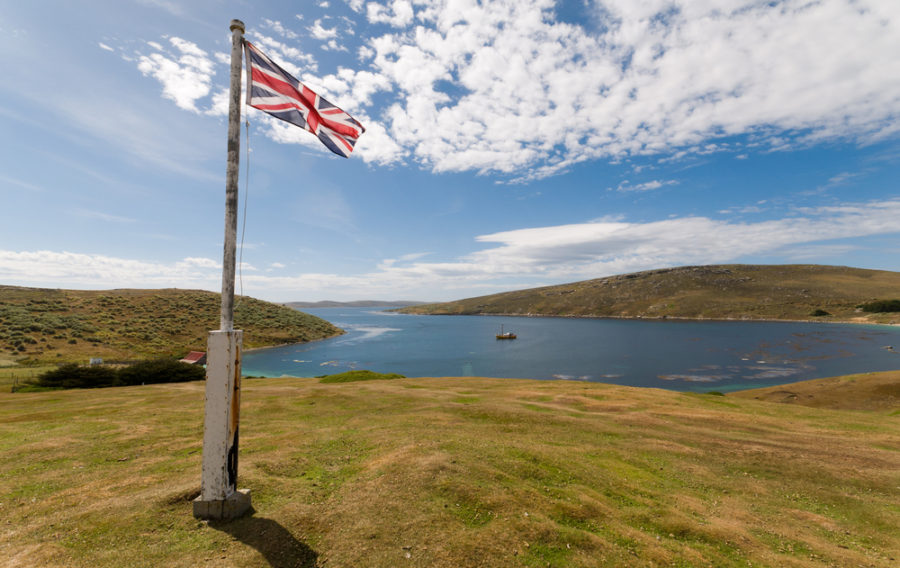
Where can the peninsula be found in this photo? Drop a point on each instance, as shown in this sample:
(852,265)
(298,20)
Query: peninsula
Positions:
(736,291)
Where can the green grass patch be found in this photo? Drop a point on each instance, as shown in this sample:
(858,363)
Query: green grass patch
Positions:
(361,375)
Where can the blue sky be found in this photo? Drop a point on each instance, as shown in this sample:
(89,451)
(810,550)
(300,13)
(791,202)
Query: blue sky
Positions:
(509,144)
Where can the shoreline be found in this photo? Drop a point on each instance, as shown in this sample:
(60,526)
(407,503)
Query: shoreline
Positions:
(265,347)
(882,389)
(668,318)
(659,318)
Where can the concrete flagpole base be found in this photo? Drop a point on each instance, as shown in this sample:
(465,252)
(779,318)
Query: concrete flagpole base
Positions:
(219,497)
(232,507)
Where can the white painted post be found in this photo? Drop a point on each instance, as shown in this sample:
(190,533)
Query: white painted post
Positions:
(219,497)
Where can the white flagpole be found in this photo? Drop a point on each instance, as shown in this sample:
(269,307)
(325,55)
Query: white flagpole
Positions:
(219,497)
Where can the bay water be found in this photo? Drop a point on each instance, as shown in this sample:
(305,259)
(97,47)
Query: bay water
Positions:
(670,354)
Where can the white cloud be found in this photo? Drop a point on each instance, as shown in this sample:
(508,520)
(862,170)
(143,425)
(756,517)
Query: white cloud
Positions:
(526,257)
(279,28)
(186,76)
(64,269)
(104,47)
(504,87)
(583,250)
(286,56)
(322,33)
(530,94)
(200,262)
(626,186)
(398,14)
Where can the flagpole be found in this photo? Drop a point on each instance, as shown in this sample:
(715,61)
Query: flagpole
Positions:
(219,497)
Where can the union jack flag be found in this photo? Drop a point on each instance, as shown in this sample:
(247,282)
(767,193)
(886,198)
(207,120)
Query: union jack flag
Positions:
(272,90)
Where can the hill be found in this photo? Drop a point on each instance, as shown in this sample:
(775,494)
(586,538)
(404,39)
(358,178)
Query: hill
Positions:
(457,472)
(786,292)
(354,304)
(52,326)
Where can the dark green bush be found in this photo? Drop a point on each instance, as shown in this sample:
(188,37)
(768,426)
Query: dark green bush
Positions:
(880,306)
(74,376)
(819,313)
(161,371)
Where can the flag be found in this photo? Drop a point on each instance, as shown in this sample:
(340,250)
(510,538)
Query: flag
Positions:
(272,90)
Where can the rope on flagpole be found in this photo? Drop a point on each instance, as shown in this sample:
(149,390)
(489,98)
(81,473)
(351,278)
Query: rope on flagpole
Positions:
(244,213)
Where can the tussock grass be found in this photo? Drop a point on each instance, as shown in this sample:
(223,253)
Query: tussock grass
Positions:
(450,472)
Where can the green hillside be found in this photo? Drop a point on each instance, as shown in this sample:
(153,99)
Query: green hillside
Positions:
(52,326)
(786,292)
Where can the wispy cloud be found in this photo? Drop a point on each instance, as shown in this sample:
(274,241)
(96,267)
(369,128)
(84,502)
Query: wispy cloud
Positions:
(626,185)
(279,28)
(103,216)
(18,183)
(525,256)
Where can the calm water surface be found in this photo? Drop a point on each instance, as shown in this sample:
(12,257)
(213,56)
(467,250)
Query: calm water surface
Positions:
(676,355)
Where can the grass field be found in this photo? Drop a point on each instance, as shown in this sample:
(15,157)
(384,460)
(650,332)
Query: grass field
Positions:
(10,376)
(451,472)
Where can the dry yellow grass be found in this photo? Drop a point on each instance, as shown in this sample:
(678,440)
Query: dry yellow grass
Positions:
(868,391)
(450,472)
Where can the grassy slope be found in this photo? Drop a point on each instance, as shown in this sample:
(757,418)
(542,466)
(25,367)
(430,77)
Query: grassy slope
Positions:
(450,472)
(73,325)
(726,291)
(868,391)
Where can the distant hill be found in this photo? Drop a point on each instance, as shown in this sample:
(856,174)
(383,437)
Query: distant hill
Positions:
(355,304)
(781,292)
(50,326)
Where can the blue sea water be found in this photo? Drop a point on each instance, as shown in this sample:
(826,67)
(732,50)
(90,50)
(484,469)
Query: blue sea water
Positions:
(675,355)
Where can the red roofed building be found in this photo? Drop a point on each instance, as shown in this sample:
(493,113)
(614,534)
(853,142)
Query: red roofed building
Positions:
(195,358)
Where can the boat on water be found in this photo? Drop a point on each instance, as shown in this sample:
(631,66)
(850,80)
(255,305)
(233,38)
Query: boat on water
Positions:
(505,335)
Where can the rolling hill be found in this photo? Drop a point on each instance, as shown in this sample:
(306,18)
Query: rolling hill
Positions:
(354,304)
(53,326)
(782,292)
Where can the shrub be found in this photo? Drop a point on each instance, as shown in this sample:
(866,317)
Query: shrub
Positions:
(161,371)
(74,376)
(880,306)
(819,313)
